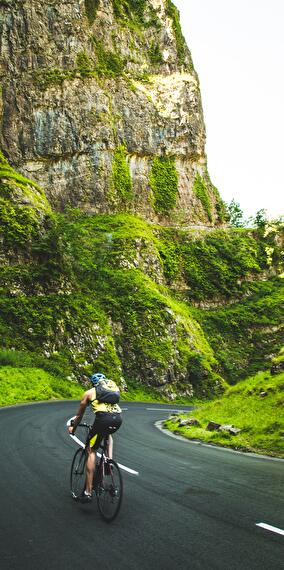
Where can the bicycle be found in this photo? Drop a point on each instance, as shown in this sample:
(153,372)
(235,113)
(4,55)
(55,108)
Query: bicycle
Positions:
(107,479)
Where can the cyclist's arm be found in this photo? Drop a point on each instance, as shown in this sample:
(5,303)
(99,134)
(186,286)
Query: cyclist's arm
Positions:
(83,404)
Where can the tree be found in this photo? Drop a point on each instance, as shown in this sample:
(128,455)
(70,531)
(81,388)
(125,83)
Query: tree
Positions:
(260,219)
(236,214)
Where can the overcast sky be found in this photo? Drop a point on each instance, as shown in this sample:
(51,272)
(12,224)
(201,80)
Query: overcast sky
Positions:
(237,48)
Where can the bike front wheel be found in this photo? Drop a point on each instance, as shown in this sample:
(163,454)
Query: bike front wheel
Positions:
(78,474)
(109,490)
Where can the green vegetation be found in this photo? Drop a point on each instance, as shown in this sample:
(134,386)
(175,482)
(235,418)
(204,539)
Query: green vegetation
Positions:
(220,206)
(115,291)
(33,384)
(255,406)
(137,15)
(71,328)
(90,282)
(45,77)
(8,173)
(219,263)
(22,381)
(201,192)
(130,10)
(137,392)
(84,65)
(245,334)
(55,364)
(235,214)
(91,7)
(18,224)
(121,178)
(278,361)
(139,305)
(22,207)
(108,62)
(81,273)
(173,13)
(225,267)
(164,184)
(155,54)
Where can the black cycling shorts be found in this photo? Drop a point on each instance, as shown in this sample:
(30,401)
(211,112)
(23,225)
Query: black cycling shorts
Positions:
(105,423)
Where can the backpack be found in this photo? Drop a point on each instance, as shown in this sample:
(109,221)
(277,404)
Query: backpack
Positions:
(107,392)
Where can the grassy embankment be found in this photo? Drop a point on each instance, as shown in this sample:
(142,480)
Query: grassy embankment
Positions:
(254,405)
(23,385)
(22,381)
(19,385)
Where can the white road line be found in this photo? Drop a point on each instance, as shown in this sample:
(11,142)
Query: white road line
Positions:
(271,528)
(77,440)
(128,469)
(166,410)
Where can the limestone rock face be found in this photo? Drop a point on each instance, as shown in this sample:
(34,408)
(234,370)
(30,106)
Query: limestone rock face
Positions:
(94,89)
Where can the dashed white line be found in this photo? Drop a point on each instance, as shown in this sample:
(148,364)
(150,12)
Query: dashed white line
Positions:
(271,528)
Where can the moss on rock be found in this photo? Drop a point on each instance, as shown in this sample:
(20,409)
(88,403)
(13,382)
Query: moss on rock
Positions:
(164,184)
(23,206)
(201,192)
(121,178)
(91,7)
(173,13)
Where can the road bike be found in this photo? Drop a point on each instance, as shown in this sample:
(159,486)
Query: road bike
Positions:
(107,479)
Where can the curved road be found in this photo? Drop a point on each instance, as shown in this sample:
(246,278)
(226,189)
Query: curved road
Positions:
(191,506)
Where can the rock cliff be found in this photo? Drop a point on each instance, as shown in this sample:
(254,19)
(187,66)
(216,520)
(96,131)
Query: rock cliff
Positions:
(100,105)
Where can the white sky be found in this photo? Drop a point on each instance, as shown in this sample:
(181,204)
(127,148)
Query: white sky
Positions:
(237,48)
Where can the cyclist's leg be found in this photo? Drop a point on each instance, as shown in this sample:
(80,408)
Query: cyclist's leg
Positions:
(114,424)
(110,447)
(92,445)
(90,466)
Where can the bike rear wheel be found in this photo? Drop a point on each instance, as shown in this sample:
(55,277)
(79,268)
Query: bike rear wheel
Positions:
(109,490)
(78,474)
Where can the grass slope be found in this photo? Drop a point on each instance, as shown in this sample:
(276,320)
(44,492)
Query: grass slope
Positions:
(33,384)
(254,405)
(28,384)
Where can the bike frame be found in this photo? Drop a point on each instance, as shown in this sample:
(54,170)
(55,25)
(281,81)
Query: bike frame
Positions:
(107,480)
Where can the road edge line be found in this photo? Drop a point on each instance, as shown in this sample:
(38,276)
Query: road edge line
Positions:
(158,425)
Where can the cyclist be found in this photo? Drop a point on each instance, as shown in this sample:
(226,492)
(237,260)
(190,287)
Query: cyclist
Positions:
(103,398)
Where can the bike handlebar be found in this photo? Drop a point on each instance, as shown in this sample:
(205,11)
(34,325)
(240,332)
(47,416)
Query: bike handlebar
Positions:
(83,424)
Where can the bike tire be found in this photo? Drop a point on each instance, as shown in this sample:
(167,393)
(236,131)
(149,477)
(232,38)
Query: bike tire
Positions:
(109,490)
(78,474)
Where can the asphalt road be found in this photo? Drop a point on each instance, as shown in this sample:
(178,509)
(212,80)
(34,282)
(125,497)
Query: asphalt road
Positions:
(191,506)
